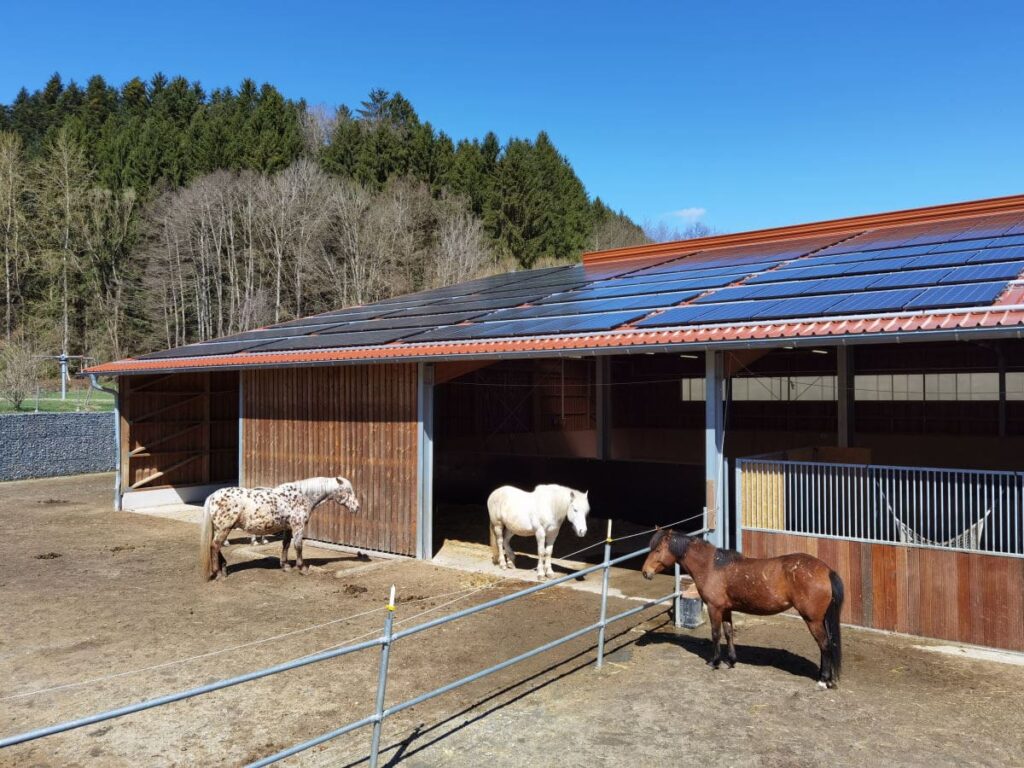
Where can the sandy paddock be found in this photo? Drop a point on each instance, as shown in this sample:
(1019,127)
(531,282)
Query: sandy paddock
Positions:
(91,595)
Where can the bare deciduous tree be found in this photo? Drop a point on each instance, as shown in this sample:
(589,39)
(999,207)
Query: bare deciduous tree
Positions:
(19,370)
(62,183)
(12,220)
(661,232)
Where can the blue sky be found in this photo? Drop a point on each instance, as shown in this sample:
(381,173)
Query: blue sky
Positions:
(758,114)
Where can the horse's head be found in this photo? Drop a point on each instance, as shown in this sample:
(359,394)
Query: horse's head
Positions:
(667,548)
(345,495)
(579,508)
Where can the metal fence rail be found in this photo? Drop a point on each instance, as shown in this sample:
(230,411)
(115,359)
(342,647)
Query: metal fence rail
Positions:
(384,642)
(959,509)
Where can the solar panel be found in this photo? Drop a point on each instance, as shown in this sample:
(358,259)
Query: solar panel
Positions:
(983,272)
(909,278)
(465,306)
(596,305)
(333,340)
(341,316)
(874,301)
(619,291)
(976,294)
(279,332)
(998,254)
(930,260)
(741,292)
(878,265)
(807,306)
(204,349)
(803,273)
(960,245)
(707,313)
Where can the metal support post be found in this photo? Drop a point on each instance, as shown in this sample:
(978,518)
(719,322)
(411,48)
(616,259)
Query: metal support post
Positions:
(425,462)
(844,397)
(382,680)
(714,374)
(604,594)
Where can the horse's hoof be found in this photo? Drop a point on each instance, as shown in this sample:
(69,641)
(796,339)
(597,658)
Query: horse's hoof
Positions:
(822,685)
(714,664)
(730,664)
(304,570)
(285,567)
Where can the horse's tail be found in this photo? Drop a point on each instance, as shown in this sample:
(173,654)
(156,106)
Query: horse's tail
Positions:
(206,540)
(494,546)
(832,628)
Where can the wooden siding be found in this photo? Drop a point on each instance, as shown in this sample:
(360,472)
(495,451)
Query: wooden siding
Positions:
(359,422)
(961,596)
(178,430)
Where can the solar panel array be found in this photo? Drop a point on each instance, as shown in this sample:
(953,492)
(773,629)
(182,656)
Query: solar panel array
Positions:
(966,263)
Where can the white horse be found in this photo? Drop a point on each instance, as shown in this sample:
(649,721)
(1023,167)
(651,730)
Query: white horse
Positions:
(514,512)
(261,511)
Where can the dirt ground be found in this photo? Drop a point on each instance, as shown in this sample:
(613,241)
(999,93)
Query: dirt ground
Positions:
(92,595)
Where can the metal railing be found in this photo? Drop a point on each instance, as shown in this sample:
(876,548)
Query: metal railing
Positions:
(384,642)
(959,509)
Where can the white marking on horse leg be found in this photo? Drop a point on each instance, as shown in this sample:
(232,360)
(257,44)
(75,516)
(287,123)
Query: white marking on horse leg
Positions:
(499,544)
(541,547)
(297,536)
(506,545)
(822,685)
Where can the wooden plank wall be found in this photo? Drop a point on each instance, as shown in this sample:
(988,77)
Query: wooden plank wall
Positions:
(961,596)
(358,422)
(179,429)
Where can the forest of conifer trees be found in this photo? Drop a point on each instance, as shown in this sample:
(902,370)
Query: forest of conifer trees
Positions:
(157,213)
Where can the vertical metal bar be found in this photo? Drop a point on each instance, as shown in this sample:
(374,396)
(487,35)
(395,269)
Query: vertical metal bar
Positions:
(679,596)
(425,461)
(738,506)
(713,439)
(382,679)
(604,595)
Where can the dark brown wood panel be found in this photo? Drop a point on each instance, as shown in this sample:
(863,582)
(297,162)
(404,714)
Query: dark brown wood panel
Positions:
(358,422)
(961,596)
(179,429)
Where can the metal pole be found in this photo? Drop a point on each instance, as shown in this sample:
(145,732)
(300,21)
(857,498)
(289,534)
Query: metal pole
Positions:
(679,597)
(382,680)
(604,594)
(63,377)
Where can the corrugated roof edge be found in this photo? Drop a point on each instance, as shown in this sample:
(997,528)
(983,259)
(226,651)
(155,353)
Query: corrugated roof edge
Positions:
(796,231)
(997,320)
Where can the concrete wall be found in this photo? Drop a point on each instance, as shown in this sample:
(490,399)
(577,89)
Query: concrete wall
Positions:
(53,444)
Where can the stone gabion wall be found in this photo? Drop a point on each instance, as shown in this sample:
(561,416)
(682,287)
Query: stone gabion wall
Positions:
(54,444)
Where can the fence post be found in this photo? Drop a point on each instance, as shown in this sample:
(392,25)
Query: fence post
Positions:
(604,594)
(382,680)
(679,598)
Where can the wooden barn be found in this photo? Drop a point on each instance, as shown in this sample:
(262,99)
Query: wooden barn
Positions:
(850,388)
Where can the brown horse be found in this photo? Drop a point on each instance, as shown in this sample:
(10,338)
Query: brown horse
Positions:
(728,581)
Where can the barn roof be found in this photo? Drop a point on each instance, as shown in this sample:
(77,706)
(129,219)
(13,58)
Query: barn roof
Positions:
(944,271)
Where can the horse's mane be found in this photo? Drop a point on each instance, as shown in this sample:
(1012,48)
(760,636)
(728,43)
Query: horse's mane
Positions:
(313,486)
(677,543)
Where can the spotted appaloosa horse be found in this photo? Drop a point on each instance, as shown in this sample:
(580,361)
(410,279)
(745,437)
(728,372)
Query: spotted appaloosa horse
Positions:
(261,511)
(728,581)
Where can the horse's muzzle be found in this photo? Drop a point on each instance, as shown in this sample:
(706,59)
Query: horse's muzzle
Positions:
(581,533)
(649,575)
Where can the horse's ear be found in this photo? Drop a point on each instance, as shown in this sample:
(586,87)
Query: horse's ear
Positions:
(586,494)
(572,494)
